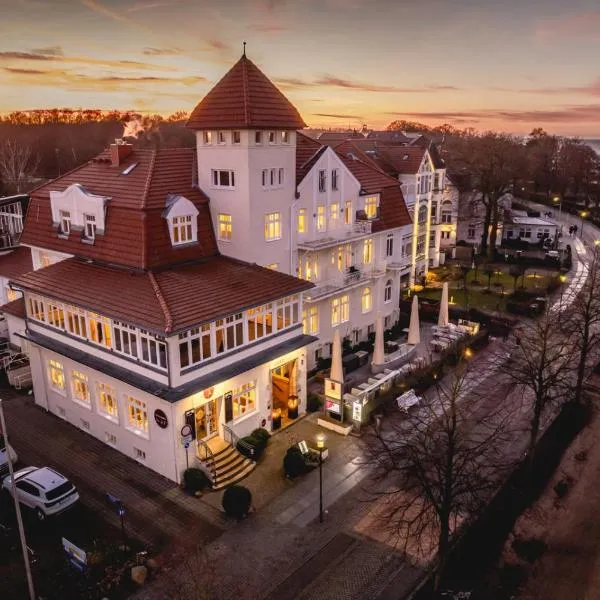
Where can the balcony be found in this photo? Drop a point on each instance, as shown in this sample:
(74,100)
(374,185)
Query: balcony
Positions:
(336,282)
(401,265)
(359,230)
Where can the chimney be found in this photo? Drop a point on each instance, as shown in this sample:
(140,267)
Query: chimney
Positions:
(119,151)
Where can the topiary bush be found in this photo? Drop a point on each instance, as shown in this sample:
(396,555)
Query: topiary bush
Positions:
(313,403)
(293,463)
(261,434)
(251,446)
(237,501)
(195,480)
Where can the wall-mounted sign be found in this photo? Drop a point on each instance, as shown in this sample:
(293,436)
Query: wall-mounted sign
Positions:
(208,392)
(186,430)
(333,406)
(357,411)
(161,418)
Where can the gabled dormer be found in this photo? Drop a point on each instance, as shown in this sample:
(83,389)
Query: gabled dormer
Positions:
(182,218)
(77,212)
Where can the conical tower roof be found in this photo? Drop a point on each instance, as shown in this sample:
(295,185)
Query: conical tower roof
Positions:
(245,98)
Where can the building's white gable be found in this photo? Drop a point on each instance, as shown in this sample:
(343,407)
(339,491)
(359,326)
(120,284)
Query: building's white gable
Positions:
(78,202)
(181,214)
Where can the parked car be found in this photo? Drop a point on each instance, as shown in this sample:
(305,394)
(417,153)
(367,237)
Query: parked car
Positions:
(6,452)
(43,489)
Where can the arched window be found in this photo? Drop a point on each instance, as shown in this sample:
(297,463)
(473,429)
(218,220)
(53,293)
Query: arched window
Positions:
(367,300)
(387,291)
(423,214)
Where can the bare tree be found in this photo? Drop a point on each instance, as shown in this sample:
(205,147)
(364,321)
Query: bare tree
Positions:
(443,468)
(17,165)
(584,322)
(542,367)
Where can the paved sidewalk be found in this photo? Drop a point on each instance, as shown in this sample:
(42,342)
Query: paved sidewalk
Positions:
(158,512)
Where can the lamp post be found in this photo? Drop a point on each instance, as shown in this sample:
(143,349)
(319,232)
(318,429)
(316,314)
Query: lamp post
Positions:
(557,199)
(24,549)
(320,447)
(562,278)
(584,214)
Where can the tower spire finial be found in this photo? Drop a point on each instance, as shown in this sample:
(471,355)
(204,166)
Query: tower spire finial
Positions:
(244,53)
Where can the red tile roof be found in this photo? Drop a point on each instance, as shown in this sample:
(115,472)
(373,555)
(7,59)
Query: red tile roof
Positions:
(136,233)
(245,98)
(308,151)
(404,160)
(16,262)
(16,308)
(163,301)
(392,207)
(339,136)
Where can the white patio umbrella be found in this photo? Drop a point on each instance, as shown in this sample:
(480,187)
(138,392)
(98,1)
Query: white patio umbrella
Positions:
(378,351)
(337,373)
(414,333)
(443,317)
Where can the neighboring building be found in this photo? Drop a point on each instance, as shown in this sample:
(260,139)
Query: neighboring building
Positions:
(447,215)
(351,222)
(12,210)
(136,324)
(471,216)
(518,225)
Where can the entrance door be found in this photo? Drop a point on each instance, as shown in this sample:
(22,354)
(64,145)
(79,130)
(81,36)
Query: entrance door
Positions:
(207,423)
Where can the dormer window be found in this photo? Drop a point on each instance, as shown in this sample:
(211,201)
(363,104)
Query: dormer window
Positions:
(89,227)
(65,222)
(221,137)
(207,137)
(258,138)
(371,207)
(182,229)
(237,137)
(271,137)
(285,137)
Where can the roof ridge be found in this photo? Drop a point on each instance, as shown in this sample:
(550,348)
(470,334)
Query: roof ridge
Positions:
(162,302)
(149,179)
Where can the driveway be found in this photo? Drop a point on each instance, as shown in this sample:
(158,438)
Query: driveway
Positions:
(158,512)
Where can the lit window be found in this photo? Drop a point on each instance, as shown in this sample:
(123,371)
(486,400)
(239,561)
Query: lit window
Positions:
(76,323)
(81,390)
(367,300)
(387,291)
(287,312)
(368,251)
(348,212)
(371,207)
(225,224)
(99,330)
(107,401)
(45,259)
(334,179)
(272,226)
(322,180)
(137,415)
(56,373)
(65,222)
(273,266)
(36,309)
(12,294)
(223,179)
(90,227)
(340,310)
(207,136)
(56,316)
(258,137)
(260,321)
(334,213)
(271,137)
(237,137)
(310,320)
(321,217)
(244,400)
(182,229)
(302,220)
(229,333)
(311,269)
(285,137)
(221,137)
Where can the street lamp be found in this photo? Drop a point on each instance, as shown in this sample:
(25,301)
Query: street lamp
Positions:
(320,448)
(584,214)
(562,278)
(557,199)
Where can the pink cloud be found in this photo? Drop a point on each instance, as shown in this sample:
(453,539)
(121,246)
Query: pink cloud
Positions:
(580,25)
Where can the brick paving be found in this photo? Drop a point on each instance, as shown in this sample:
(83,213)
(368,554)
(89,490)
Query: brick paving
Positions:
(158,512)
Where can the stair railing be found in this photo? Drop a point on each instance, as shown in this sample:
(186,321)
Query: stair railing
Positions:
(230,436)
(205,454)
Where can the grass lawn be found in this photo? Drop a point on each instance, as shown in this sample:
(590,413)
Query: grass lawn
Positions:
(489,302)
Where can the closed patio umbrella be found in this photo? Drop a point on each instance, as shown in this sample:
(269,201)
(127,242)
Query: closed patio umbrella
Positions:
(414,331)
(337,373)
(378,351)
(443,317)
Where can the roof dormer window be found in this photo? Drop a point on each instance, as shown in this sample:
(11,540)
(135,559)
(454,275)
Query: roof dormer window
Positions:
(181,216)
(258,138)
(207,137)
(271,137)
(182,229)
(89,230)
(221,138)
(237,137)
(65,222)
(285,137)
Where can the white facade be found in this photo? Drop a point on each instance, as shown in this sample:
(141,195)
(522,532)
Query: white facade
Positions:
(356,272)
(251,185)
(444,217)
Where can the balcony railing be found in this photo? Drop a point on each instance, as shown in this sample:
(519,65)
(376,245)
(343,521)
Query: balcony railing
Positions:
(338,236)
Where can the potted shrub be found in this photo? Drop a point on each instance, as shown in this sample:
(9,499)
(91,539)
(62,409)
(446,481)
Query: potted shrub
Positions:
(293,463)
(195,480)
(292,407)
(313,403)
(237,501)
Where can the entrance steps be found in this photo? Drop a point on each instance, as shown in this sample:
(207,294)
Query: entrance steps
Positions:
(230,467)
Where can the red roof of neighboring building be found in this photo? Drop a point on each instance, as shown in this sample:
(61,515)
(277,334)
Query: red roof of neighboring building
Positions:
(163,301)
(16,308)
(245,98)
(392,207)
(339,136)
(16,262)
(404,160)
(308,151)
(136,233)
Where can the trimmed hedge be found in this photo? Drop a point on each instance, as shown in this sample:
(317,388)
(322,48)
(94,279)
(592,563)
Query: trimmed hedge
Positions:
(313,403)
(294,463)
(237,501)
(195,480)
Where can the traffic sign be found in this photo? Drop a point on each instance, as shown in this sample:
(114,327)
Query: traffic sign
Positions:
(186,431)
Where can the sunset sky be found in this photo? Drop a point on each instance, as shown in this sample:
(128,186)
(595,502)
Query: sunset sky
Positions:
(508,65)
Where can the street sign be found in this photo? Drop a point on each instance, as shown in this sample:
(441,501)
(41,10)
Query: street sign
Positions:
(186,444)
(186,431)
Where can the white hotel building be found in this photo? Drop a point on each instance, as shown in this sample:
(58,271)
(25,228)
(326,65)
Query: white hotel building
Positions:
(150,307)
